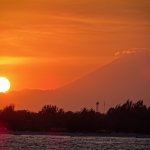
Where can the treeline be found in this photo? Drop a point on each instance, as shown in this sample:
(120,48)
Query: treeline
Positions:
(128,118)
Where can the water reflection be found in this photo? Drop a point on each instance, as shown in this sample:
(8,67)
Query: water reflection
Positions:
(46,142)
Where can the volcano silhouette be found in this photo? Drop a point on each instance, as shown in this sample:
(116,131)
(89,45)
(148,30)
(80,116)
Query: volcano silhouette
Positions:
(127,77)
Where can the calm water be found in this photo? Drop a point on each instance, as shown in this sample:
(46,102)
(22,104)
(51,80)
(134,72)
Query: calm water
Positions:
(48,142)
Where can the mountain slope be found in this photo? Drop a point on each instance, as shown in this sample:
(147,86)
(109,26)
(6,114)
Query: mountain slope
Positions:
(128,77)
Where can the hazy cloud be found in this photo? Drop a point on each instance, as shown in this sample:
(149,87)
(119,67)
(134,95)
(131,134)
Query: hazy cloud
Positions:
(131,51)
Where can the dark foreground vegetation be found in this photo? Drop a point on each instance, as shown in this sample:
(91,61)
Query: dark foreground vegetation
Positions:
(127,118)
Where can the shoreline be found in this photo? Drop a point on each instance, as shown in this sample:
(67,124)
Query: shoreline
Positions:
(92,134)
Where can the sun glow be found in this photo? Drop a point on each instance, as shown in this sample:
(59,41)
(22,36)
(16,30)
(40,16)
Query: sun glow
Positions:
(4,84)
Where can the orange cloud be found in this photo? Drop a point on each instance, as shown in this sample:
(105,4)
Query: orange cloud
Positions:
(14,60)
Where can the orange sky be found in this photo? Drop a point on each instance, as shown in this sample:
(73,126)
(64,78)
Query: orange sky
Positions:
(45,44)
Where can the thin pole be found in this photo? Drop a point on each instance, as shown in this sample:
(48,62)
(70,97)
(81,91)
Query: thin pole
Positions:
(104,107)
(97,106)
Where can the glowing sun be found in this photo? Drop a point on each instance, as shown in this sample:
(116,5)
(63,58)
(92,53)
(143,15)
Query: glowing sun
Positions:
(4,84)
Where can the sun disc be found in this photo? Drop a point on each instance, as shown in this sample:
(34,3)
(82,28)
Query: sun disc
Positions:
(4,84)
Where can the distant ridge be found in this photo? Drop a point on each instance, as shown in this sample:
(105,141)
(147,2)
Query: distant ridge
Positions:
(128,77)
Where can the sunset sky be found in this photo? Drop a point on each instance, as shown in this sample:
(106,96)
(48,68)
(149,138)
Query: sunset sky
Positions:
(45,44)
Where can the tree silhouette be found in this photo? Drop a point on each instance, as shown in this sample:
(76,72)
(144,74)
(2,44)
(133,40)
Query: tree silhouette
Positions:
(128,117)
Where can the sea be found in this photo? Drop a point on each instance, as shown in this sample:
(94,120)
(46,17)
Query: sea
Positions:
(71,142)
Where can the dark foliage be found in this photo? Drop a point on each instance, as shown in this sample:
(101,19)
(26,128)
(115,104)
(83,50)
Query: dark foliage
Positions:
(128,118)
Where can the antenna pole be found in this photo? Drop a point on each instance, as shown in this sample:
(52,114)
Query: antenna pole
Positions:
(104,107)
(97,106)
